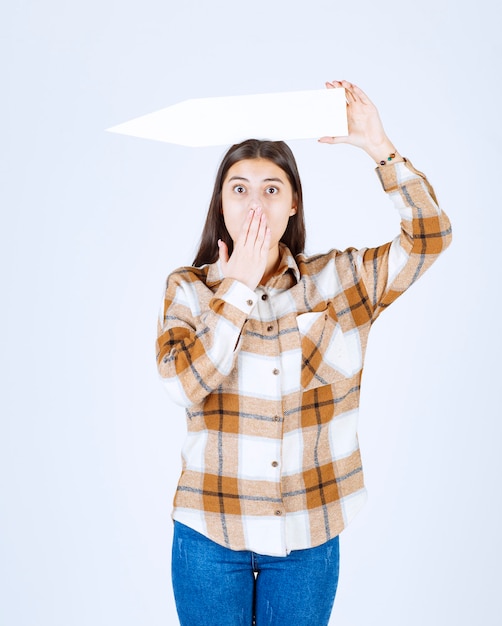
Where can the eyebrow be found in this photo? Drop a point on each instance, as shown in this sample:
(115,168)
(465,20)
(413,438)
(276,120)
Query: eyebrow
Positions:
(265,180)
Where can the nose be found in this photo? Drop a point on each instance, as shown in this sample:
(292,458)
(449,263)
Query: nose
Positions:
(254,201)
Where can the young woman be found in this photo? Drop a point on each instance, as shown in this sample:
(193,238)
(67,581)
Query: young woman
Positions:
(264,347)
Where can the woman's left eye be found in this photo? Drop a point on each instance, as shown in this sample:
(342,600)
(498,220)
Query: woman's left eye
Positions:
(272,190)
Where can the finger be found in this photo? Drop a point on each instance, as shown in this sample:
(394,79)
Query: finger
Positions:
(361,95)
(330,140)
(349,93)
(333,84)
(254,227)
(256,230)
(262,231)
(262,242)
(243,235)
(266,241)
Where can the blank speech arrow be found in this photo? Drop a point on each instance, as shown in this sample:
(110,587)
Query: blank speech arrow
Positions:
(228,120)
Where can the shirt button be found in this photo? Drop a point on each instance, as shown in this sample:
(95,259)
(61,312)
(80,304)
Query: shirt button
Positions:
(276,418)
(249,302)
(277,512)
(275,463)
(270,328)
(264,297)
(275,372)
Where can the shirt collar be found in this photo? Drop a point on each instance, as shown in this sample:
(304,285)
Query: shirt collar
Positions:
(286,262)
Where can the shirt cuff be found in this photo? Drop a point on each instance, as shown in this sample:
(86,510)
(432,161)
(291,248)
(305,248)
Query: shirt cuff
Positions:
(393,175)
(237,294)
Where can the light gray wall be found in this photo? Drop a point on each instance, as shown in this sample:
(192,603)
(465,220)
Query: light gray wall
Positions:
(92,223)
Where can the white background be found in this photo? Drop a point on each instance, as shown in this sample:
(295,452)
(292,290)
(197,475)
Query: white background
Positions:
(92,223)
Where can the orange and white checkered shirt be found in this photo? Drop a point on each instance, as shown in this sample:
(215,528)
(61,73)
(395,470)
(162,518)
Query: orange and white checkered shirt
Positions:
(270,380)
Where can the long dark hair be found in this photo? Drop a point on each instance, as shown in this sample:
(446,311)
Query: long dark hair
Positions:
(279,153)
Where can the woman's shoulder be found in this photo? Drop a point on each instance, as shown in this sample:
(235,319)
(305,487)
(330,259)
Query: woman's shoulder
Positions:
(189,272)
(193,277)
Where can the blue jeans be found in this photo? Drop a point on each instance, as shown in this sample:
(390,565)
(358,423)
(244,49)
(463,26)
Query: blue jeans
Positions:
(215,586)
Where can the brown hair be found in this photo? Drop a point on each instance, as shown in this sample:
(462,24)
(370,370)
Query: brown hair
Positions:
(279,153)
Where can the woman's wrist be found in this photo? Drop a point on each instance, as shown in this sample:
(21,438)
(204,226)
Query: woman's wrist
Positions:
(384,152)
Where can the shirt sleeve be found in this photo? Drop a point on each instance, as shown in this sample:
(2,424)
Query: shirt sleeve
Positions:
(196,344)
(388,270)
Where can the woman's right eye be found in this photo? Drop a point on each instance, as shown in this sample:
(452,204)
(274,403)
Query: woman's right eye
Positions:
(239,189)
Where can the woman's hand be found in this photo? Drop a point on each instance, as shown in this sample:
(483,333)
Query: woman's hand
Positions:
(365,127)
(251,249)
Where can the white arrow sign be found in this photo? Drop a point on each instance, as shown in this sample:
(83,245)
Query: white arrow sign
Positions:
(229,120)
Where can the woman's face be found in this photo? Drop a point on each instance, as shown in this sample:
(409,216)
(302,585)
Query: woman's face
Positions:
(253,183)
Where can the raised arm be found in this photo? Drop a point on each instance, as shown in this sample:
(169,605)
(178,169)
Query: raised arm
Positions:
(388,270)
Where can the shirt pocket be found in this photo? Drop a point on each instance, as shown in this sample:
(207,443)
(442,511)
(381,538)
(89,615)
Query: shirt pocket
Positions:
(328,353)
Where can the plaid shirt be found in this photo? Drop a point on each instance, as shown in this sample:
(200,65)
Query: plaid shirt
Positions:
(270,380)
